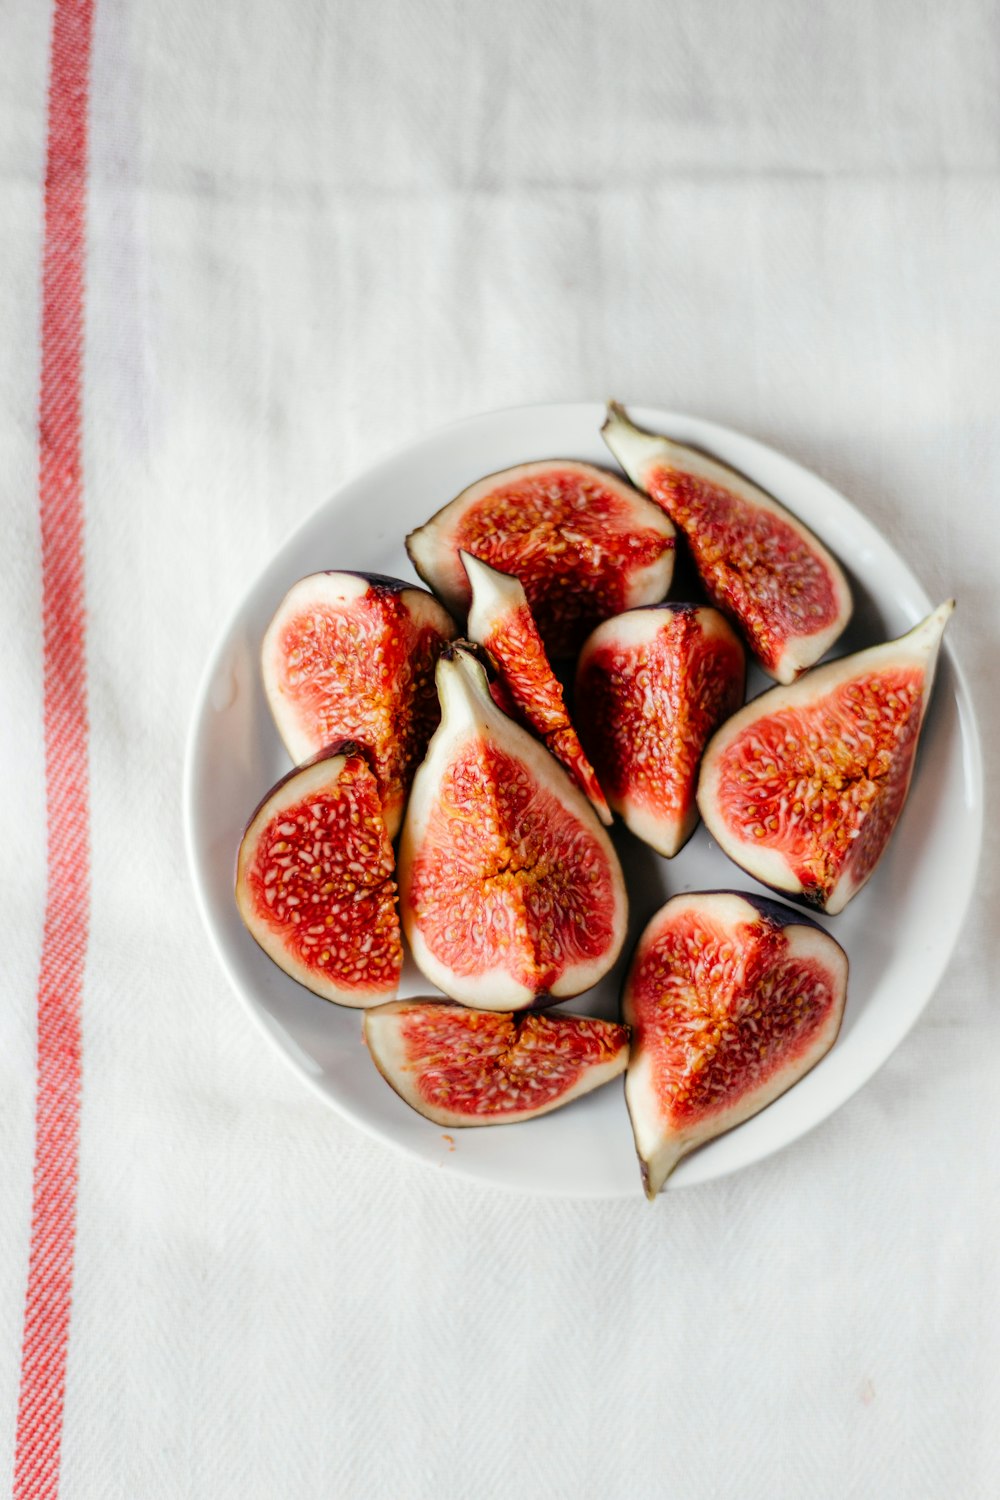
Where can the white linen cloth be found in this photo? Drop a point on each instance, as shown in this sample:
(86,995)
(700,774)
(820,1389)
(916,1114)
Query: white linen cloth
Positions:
(315,231)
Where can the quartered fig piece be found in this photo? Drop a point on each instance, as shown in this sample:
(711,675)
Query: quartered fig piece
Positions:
(757,561)
(314,881)
(510,889)
(472,1067)
(731,999)
(351,655)
(803,786)
(652,686)
(500,620)
(584,544)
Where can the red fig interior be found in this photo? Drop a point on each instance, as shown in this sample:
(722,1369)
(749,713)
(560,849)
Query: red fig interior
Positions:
(351,655)
(314,881)
(758,562)
(804,786)
(652,685)
(584,544)
(510,889)
(501,621)
(461,1067)
(731,999)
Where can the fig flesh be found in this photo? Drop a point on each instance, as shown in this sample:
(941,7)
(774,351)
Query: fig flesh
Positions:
(652,686)
(802,788)
(471,1067)
(510,890)
(584,544)
(500,621)
(351,656)
(314,881)
(731,999)
(757,561)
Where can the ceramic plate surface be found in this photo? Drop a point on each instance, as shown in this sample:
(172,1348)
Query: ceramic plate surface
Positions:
(898,933)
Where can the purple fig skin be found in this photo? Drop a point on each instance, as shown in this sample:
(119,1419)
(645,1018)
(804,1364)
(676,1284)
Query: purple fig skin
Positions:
(380,582)
(777,912)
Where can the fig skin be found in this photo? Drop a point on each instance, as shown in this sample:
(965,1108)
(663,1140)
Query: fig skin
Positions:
(352,907)
(492,1054)
(855,783)
(577,567)
(801,1028)
(369,643)
(790,610)
(645,744)
(518,900)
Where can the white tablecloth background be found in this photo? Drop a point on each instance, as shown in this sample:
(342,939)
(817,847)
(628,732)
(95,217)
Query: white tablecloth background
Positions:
(315,231)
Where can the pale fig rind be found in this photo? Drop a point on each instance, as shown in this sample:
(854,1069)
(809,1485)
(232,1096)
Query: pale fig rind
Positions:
(731,999)
(500,621)
(314,880)
(511,893)
(652,685)
(803,787)
(584,544)
(351,655)
(465,1068)
(759,563)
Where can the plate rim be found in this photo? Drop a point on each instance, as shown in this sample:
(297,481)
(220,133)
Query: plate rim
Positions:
(969,736)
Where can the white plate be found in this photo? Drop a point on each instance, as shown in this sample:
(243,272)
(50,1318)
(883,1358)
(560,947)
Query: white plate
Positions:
(899,932)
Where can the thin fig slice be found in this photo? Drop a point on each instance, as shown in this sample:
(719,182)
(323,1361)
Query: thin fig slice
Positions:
(757,561)
(802,788)
(351,655)
(501,621)
(731,998)
(314,881)
(652,686)
(584,544)
(463,1067)
(511,893)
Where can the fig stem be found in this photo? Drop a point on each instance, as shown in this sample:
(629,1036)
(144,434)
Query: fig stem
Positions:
(635,449)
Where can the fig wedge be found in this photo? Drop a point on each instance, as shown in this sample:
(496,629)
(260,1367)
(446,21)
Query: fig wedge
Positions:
(731,998)
(652,686)
(462,1067)
(584,544)
(500,620)
(511,893)
(314,881)
(351,656)
(803,787)
(757,561)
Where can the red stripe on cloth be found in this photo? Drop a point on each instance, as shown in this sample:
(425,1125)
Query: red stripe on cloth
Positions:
(67,904)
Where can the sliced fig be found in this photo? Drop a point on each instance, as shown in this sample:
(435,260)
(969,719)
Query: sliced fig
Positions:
(652,686)
(351,655)
(510,889)
(584,544)
(757,561)
(472,1067)
(501,621)
(314,881)
(803,786)
(731,999)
